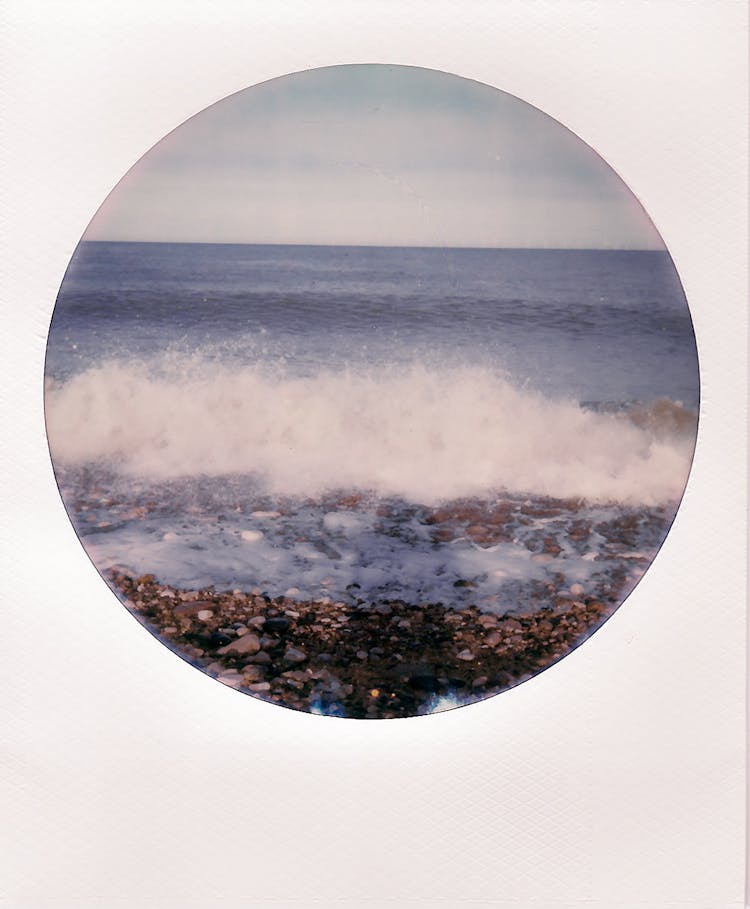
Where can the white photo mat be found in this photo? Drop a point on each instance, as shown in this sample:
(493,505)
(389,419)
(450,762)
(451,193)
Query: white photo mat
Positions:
(616,778)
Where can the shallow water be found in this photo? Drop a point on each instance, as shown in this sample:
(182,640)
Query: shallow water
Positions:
(499,554)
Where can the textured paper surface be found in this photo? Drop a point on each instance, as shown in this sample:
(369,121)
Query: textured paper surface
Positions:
(614,779)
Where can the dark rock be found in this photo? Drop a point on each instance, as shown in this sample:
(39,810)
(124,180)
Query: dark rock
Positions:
(424,682)
(277,625)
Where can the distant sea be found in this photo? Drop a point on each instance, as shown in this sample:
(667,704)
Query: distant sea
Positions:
(293,418)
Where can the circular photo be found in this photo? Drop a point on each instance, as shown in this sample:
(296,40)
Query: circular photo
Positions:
(371,391)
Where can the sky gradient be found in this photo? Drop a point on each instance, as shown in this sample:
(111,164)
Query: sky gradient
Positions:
(374,155)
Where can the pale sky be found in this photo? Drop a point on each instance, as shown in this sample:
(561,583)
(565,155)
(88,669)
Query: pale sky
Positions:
(374,155)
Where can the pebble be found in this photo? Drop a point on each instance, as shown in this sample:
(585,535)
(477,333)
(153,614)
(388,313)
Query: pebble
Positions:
(293,655)
(465,655)
(169,536)
(260,657)
(277,624)
(248,643)
(260,686)
(251,536)
(234,681)
(576,589)
(257,621)
(488,621)
(192,607)
(205,614)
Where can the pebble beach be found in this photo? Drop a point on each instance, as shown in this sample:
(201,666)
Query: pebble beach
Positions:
(390,660)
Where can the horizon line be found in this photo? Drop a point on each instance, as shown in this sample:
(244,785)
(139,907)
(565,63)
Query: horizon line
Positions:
(381,245)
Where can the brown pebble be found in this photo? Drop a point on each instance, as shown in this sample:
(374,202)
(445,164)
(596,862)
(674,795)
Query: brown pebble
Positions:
(248,643)
(488,621)
(192,608)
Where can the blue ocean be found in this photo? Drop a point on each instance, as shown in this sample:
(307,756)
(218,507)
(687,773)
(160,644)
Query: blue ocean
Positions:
(303,420)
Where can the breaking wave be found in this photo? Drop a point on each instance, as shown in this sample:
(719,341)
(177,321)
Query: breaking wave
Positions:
(425,434)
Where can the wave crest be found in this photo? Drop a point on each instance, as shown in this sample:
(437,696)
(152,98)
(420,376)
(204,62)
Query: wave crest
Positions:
(424,434)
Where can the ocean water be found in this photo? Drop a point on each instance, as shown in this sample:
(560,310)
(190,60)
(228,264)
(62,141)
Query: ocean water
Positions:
(346,421)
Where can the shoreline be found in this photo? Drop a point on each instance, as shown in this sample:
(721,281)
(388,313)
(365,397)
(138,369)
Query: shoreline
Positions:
(383,660)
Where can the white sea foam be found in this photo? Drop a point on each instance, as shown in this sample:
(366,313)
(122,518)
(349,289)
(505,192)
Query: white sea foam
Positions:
(424,434)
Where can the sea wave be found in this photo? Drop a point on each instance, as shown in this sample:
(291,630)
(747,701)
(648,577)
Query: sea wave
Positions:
(423,433)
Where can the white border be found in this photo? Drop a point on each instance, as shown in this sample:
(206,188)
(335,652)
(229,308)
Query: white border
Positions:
(616,777)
